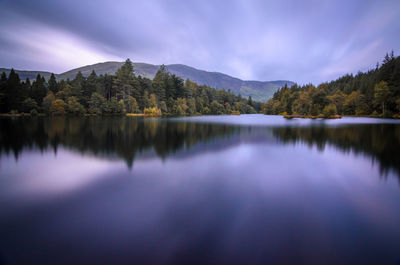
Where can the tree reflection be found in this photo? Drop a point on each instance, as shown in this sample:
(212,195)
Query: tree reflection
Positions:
(106,136)
(380,141)
(127,137)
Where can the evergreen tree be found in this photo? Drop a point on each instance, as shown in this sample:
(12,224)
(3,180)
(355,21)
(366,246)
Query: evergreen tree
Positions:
(124,80)
(97,103)
(13,90)
(53,85)
(159,84)
(77,86)
(3,93)
(38,91)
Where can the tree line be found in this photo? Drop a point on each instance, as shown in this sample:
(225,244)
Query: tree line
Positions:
(124,92)
(374,93)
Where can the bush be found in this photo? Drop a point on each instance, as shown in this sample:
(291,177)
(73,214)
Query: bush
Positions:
(28,105)
(111,106)
(177,110)
(329,111)
(360,112)
(74,107)
(388,114)
(57,107)
(216,108)
(152,111)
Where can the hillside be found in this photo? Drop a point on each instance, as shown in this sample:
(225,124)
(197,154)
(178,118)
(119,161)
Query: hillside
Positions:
(258,90)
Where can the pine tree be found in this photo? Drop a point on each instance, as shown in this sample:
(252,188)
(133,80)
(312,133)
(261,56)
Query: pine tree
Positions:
(38,91)
(53,85)
(14,93)
(3,93)
(123,82)
(90,86)
(160,83)
(77,86)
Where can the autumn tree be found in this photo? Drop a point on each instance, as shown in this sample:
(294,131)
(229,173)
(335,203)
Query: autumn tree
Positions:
(57,107)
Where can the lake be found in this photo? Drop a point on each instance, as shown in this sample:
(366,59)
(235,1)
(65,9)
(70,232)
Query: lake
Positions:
(248,189)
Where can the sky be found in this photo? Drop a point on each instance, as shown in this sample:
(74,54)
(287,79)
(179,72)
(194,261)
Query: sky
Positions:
(302,41)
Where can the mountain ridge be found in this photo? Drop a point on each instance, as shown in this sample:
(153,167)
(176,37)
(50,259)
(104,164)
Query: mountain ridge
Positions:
(258,90)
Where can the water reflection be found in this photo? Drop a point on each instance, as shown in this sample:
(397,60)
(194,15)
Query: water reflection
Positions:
(126,138)
(381,142)
(200,190)
(106,136)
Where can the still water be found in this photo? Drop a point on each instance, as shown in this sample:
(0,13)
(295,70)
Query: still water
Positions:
(249,189)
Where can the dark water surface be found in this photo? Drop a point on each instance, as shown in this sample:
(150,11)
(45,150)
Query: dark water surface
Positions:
(249,189)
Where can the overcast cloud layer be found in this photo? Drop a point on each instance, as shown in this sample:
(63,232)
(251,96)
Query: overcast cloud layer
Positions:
(303,41)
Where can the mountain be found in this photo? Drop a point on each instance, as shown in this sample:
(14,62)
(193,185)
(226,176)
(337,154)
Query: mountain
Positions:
(258,90)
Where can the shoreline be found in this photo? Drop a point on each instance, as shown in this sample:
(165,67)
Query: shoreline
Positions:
(286,116)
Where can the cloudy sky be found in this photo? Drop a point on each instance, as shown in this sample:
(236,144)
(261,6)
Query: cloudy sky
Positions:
(303,41)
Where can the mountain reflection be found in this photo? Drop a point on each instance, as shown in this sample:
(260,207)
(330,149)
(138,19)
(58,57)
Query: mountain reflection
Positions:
(125,138)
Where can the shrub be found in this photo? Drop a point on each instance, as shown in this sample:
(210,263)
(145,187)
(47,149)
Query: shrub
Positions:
(57,107)
(206,110)
(360,112)
(329,111)
(74,107)
(152,111)
(216,108)
(28,105)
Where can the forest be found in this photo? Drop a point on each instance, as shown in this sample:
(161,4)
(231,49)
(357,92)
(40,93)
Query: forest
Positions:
(124,92)
(374,93)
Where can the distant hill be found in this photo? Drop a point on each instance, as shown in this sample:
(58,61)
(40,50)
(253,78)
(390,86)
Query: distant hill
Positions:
(258,90)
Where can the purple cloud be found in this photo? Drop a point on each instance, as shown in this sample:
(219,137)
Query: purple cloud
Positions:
(303,41)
